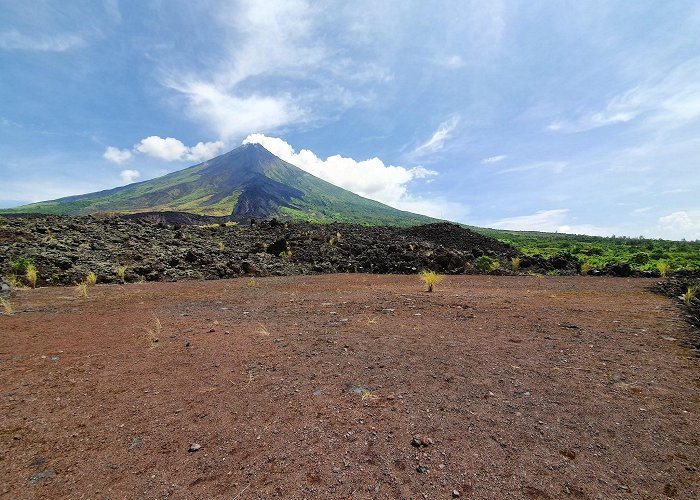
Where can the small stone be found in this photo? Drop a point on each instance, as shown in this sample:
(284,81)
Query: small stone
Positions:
(212,330)
(226,332)
(421,469)
(194,447)
(416,441)
(426,441)
(135,443)
(188,343)
(455,494)
(45,474)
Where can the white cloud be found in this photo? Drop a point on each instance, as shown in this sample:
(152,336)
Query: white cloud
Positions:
(668,101)
(543,220)
(128,176)
(171,149)
(116,155)
(549,221)
(229,115)
(437,140)
(369,178)
(680,225)
(493,159)
(14,40)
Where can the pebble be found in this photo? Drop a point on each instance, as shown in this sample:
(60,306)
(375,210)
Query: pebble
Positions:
(421,469)
(455,494)
(194,447)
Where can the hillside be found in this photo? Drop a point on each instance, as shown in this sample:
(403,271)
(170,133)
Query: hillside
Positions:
(248,182)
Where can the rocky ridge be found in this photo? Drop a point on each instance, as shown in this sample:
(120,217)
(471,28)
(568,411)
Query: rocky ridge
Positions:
(65,249)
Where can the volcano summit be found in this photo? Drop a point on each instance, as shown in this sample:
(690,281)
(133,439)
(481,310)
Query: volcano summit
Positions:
(248,182)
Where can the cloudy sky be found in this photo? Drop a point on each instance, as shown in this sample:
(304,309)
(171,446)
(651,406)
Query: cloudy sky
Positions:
(563,116)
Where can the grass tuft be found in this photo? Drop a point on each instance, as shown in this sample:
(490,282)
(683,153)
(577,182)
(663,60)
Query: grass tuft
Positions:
(82,289)
(515,263)
(690,294)
(585,268)
(430,278)
(6,306)
(31,274)
(90,279)
(664,268)
(121,272)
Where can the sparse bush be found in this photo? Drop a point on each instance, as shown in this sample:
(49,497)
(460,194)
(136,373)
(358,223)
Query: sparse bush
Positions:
(430,278)
(31,274)
(6,306)
(90,279)
(486,264)
(121,272)
(19,266)
(515,263)
(690,294)
(663,267)
(222,247)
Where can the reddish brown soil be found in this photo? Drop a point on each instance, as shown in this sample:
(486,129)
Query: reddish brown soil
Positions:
(528,388)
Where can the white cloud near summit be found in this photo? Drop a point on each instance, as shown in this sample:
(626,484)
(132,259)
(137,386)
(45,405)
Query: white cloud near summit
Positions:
(369,178)
(171,149)
(116,155)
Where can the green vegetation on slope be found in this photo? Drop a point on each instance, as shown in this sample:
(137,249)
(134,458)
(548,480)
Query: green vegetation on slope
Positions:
(597,251)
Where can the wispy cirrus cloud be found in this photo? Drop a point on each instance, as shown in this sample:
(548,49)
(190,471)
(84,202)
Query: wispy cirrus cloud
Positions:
(669,101)
(493,159)
(61,42)
(436,142)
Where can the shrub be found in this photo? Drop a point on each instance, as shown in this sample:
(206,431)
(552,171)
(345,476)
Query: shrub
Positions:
(18,266)
(663,267)
(486,264)
(121,272)
(30,274)
(430,278)
(90,279)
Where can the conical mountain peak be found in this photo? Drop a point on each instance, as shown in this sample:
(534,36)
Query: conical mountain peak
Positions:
(247,182)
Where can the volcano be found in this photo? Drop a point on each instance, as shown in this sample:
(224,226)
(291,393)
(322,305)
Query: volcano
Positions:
(246,183)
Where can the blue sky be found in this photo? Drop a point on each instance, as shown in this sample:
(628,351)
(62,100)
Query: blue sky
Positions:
(558,116)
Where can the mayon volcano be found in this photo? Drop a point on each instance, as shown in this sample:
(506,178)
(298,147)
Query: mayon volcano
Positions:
(248,182)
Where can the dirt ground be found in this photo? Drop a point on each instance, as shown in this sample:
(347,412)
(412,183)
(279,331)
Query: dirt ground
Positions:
(349,386)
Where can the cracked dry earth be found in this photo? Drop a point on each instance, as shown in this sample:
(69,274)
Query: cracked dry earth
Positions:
(349,386)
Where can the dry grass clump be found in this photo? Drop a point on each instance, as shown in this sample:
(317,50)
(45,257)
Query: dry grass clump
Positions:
(121,273)
(690,294)
(6,306)
(91,279)
(31,275)
(430,278)
(153,333)
(82,289)
(664,268)
(585,268)
(515,264)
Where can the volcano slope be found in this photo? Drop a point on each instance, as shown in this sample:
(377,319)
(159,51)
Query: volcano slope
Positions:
(349,386)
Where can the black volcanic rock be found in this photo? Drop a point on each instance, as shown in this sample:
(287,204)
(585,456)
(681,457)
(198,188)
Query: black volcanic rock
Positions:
(65,249)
